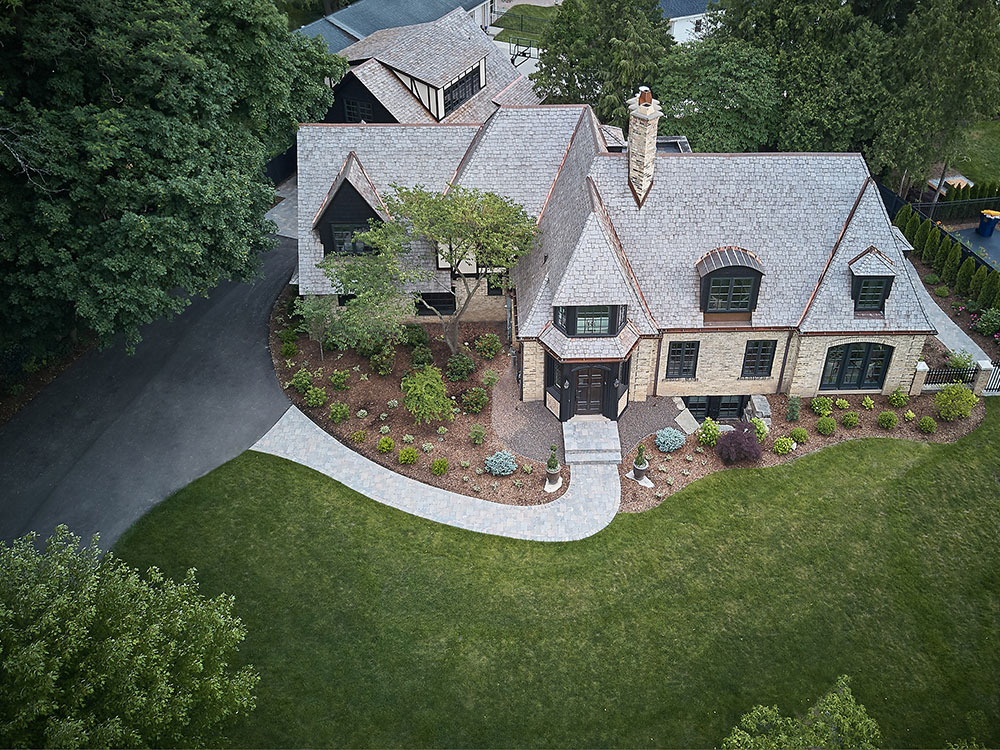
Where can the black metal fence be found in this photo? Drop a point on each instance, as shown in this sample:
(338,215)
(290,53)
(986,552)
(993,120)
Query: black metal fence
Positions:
(518,23)
(993,384)
(945,375)
(951,210)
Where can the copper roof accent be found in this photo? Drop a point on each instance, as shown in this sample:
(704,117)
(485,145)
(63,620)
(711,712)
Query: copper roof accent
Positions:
(727,257)
(872,262)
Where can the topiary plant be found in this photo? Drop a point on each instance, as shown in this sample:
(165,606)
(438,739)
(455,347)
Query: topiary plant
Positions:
(474,400)
(850,419)
(826,425)
(553,461)
(439,467)
(799,435)
(887,420)
(927,425)
(386,444)
(740,444)
(668,439)
(501,464)
(460,366)
(822,406)
(339,411)
(954,401)
(407,455)
(488,345)
(899,398)
(783,445)
(708,433)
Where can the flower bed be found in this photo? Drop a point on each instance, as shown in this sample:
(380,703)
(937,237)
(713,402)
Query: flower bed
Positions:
(371,395)
(668,474)
(957,309)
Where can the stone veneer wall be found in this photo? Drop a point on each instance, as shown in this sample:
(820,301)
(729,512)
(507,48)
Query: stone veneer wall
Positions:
(643,369)
(812,356)
(532,370)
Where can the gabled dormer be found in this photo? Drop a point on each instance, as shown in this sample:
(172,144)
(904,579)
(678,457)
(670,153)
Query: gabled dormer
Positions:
(350,203)
(872,274)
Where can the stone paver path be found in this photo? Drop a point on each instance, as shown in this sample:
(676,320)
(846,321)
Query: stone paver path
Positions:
(585,508)
(591,440)
(948,331)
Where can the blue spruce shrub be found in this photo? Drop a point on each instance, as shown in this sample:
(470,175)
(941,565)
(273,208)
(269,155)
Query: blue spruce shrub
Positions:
(501,464)
(668,439)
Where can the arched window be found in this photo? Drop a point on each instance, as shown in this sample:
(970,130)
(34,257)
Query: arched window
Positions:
(730,281)
(855,366)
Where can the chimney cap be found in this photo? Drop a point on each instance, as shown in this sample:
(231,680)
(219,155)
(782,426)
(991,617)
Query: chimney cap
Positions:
(645,95)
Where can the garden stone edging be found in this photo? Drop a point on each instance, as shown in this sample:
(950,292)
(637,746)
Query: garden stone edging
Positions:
(590,503)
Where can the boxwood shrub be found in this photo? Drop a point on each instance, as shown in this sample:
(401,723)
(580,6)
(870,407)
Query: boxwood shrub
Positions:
(927,425)
(850,419)
(799,435)
(439,467)
(826,425)
(407,455)
(386,444)
(887,420)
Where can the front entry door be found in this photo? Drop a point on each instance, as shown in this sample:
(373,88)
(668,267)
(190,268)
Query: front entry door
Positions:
(589,390)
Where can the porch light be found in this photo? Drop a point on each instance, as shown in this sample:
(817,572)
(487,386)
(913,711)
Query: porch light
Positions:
(618,383)
(566,384)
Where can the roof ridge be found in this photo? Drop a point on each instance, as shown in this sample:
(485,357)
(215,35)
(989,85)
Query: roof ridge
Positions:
(562,163)
(473,145)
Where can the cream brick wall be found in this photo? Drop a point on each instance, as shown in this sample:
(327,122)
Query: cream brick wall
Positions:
(811,357)
(643,368)
(483,308)
(532,370)
(720,362)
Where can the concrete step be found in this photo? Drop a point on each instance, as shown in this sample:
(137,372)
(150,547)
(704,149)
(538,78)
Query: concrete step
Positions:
(593,457)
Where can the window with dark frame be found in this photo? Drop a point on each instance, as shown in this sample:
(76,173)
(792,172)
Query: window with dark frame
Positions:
(343,239)
(494,285)
(855,366)
(355,111)
(871,293)
(443,302)
(682,359)
(461,91)
(729,407)
(730,294)
(590,320)
(758,359)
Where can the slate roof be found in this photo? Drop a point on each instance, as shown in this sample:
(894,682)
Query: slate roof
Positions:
(437,52)
(872,262)
(354,173)
(726,257)
(682,8)
(334,36)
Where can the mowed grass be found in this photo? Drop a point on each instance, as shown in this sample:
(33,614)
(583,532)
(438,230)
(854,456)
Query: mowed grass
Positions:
(525,22)
(372,628)
(981,160)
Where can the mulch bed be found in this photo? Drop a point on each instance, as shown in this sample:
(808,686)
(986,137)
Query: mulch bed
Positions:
(373,395)
(961,316)
(636,498)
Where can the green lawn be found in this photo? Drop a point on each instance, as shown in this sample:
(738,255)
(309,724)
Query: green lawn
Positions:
(525,22)
(873,558)
(981,161)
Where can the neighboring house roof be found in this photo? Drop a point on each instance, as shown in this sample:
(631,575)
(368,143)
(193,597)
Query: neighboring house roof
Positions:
(682,8)
(365,17)
(799,218)
(436,53)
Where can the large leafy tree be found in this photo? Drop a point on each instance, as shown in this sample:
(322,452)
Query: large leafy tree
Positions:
(836,720)
(722,94)
(96,655)
(134,137)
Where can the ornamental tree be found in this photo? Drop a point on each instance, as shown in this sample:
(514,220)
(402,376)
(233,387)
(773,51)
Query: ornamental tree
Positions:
(427,396)
(97,655)
(835,720)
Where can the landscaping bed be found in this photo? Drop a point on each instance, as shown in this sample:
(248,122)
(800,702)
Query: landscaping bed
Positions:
(956,308)
(667,470)
(371,395)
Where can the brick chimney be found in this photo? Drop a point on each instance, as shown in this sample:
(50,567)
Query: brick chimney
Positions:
(644,114)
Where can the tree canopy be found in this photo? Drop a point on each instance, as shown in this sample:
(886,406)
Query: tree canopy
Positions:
(96,655)
(134,138)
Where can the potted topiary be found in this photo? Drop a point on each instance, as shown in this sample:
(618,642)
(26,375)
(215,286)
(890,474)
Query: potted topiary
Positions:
(553,471)
(640,466)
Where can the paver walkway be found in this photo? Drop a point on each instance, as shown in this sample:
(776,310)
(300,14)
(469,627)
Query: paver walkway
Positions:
(591,440)
(948,331)
(589,504)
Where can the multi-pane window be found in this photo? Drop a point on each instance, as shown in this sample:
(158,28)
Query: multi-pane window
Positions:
(729,407)
(682,359)
(853,366)
(344,242)
(559,317)
(355,111)
(871,293)
(460,91)
(590,320)
(593,320)
(730,294)
(758,359)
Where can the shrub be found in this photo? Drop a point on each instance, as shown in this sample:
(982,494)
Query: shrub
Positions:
(474,400)
(988,294)
(477,433)
(842,403)
(963,281)
(950,271)
(783,445)
(850,419)
(826,425)
(361,413)
(408,439)
(887,420)
(386,444)
(407,455)
(909,416)
(867,403)
(488,345)
(288,335)
(490,378)
(289,349)
(415,335)
(899,398)
(799,435)
(822,405)
(384,429)
(302,380)
(553,460)
(359,436)
(427,447)
(760,429)
(988,322)
(959,360)
(931,279)
(339,378)
(339,412)
(439,467)
(741,444)
(316,397)
(421,355)
(954,401)
(794,407)
(708,433)
(927,425)
(501,464)
(460,366)
(668,439)
(381,362)
(929,250)
(942,291)
(426,396)
(368,346)
(923,232)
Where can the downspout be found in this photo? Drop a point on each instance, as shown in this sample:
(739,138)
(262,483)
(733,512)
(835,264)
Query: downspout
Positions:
(656,373)
(784,360)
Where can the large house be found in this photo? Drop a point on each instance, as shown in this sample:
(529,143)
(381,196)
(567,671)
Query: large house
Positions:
(711,277)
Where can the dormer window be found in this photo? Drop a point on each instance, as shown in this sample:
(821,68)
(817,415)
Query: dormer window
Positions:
(462,90)
(343,241)
(590,320)
(730,282)
(870,293)
(730,293)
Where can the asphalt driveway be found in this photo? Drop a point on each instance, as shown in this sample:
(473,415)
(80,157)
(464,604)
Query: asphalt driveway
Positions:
(114,435)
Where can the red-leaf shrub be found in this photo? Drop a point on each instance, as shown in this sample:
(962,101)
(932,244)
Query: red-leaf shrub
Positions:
(739,445)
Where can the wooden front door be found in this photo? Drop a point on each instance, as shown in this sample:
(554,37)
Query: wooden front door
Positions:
(589,390)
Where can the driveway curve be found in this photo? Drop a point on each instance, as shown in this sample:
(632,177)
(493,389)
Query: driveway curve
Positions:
(115,434)
(589,504)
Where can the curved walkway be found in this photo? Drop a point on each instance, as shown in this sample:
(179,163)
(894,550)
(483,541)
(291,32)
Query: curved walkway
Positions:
(948,331)
(589,504)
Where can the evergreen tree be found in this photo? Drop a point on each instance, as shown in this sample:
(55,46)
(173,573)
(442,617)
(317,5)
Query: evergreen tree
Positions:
(902,217)
(921,236)
(635,57)
(991,287)
(931,247)
(950,271)
(941,256)
(964,277)
(912,226)
(978,279)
